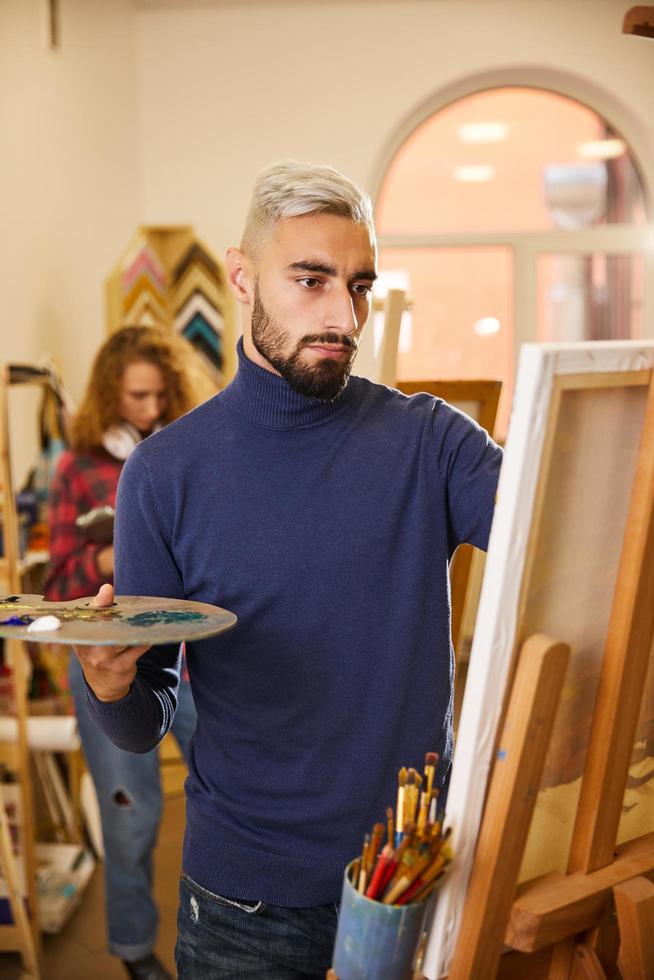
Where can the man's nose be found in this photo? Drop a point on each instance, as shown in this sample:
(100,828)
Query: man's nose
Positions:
(341,314)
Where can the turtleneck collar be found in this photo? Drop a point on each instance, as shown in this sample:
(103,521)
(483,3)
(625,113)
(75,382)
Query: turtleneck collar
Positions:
(266,399)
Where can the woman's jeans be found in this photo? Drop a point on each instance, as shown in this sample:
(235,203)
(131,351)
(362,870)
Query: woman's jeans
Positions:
(129,794)
(225,939)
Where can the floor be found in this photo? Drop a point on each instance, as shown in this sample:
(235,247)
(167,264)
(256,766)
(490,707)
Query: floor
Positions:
(79,951)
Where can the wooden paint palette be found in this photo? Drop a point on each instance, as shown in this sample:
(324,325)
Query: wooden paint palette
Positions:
(130,621)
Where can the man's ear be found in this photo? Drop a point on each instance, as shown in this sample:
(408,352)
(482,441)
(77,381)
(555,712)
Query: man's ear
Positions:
(239,274)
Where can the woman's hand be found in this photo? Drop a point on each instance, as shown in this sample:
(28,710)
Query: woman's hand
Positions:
(109,671)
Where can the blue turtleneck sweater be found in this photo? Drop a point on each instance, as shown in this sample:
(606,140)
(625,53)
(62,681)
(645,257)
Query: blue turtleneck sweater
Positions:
(327,527)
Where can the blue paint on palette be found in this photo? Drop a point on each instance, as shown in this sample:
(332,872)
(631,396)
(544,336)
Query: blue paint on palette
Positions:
(161,617)
(16,621)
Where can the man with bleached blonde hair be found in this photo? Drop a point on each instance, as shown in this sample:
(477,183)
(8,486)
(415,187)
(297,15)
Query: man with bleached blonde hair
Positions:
(323,510)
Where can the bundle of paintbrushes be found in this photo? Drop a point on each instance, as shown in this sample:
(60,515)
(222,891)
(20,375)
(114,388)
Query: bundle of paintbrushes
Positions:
(415,854)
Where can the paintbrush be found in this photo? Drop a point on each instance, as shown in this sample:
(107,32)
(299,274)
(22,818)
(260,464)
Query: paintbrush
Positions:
(379,874)
(431,761)
(389,825)
(363,873)
(426,877)
(423,813)
(400,813)
(411,795)
(413,864)
(395,859)
(375,841)
(432,805)
(432,861)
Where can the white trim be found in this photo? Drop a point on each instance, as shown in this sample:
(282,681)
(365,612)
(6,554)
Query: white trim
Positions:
(527,246)
(613,239)
(583,90)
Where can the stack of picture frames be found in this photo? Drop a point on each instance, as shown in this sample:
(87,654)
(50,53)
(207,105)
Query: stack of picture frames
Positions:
(167,277)
(551,797)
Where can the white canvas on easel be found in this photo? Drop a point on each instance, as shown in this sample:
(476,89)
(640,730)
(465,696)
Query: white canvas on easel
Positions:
(502,604)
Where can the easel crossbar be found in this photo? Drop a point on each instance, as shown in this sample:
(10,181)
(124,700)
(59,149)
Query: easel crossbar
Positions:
(555,906)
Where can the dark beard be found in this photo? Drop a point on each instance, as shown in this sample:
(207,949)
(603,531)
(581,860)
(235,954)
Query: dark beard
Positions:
(324,380)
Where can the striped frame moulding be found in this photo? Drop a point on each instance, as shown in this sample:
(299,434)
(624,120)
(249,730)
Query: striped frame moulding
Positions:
(167,277)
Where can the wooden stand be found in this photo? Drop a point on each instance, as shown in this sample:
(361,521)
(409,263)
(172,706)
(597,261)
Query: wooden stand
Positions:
(568,914)
(640,21)
(24,934)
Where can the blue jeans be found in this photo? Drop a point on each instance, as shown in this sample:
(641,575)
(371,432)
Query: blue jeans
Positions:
(129,794)
(223,939)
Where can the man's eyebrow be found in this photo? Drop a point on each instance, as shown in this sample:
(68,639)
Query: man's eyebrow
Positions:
(364,274)
(330,270)
(307,266)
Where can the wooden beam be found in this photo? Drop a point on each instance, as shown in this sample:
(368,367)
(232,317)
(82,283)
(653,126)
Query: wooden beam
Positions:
(22,933)
(513,791)
(10,938)
(622,678)
(561,962)
(605,940)
(585,964)
(640,21)
(634,903)
(555,907)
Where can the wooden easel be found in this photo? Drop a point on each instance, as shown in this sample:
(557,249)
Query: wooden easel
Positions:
(24,934)
(566,915)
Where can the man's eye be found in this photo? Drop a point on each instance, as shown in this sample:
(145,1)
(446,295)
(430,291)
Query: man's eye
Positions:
(361,288)
(309,281)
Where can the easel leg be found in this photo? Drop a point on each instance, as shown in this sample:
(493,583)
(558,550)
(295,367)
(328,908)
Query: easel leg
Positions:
(507,816)
(574,960)
(586,964)
(562,958)
(634,902)
(75,769)
(23,928)
(605,940)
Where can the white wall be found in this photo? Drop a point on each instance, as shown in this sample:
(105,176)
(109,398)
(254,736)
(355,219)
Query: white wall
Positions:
(163,111)
(68,184)
(227,87)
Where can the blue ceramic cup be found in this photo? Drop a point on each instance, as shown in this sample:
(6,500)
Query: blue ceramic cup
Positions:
(375,941)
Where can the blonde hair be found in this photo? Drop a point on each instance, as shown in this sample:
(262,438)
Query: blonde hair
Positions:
(289,189)
(187,383)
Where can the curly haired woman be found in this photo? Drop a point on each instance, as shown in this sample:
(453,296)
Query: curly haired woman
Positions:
(142,378)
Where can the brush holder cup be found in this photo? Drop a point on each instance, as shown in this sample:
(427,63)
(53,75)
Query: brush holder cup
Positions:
(375,941)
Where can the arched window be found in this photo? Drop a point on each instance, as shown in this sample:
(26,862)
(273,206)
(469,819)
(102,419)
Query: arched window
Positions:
(512,214)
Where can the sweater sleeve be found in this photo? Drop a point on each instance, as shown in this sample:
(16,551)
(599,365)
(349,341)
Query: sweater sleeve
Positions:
(73,570)
(144,566)
(470,465)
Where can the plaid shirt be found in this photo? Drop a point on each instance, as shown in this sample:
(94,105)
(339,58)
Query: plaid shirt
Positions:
(82,481)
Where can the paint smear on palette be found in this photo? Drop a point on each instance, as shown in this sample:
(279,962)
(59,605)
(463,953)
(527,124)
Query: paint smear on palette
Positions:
(84,613)
(161,617)
(16,621)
